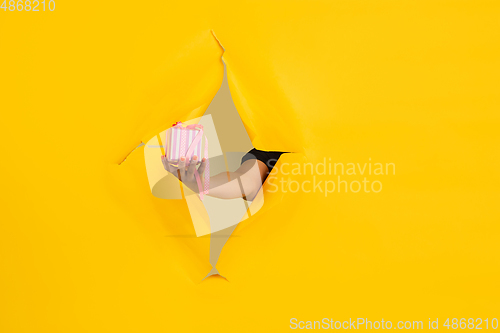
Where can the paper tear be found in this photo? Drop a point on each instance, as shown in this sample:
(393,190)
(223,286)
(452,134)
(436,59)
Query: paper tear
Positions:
(217,39)
(215,273)
(140,145)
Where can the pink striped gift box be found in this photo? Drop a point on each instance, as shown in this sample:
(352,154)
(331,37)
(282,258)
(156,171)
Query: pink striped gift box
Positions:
(173,147)
(186,141)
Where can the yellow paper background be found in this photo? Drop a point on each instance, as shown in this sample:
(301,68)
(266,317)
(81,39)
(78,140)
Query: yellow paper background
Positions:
(84,245)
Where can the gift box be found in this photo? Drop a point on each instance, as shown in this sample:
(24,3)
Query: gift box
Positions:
(185,141)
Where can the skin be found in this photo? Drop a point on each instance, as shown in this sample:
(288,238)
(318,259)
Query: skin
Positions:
(244,182)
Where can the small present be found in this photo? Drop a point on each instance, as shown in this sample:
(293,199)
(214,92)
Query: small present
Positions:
(187,141)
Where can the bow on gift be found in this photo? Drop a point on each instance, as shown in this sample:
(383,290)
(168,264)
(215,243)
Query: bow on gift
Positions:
(194,126)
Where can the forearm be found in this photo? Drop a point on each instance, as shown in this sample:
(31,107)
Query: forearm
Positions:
(229,185)
(244,182)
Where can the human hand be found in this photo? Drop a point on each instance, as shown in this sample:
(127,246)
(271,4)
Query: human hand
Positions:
(184,172)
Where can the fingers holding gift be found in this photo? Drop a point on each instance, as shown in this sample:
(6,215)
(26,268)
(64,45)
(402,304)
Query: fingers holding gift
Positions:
(192,167)
(182,165)
(165,162)
(167,165)
(203,164)
(185,169)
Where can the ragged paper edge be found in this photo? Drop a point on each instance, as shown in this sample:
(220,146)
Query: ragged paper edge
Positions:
(140,145)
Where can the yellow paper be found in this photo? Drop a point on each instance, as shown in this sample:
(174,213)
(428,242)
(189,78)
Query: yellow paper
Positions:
(86,247)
